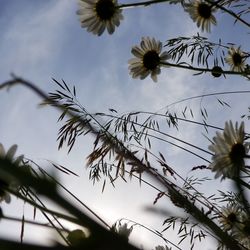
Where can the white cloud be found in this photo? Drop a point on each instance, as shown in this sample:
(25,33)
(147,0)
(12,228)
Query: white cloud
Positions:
(32,38)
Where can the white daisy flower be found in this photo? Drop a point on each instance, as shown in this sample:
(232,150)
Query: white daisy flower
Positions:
(201,13)
(236,59)
(7,182)
(148,59)
(229,151)
(98,15)
(230,216)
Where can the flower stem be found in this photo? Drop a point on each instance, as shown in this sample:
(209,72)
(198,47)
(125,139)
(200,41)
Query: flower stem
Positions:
(141,4)
(243,183)
(229,12)
(226,72)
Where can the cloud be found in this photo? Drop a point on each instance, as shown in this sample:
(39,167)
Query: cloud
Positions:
(33,37)
(31,44)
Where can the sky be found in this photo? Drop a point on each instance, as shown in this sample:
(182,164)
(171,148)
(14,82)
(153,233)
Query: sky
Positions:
(42,39)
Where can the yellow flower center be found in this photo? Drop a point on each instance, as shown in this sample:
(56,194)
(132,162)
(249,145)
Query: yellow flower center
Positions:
(105,9)
(232,217)
(237,59)
(151,60)
(204,10)
(237,153)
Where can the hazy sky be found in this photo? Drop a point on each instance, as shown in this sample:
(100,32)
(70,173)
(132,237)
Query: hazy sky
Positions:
(41,39)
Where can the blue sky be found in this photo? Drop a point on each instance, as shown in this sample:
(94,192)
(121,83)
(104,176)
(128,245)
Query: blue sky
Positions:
(43,39)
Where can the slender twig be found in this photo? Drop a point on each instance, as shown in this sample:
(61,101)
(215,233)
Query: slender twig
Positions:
(44,209)
(208,95)
(35,198)
(32,222)
(176,145)
(177,118)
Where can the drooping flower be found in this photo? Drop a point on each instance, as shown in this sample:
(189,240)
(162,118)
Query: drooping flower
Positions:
(201,13)
(236,59)
(148,59)
(98,15)
(229,151)
(230,216)
(6,181)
